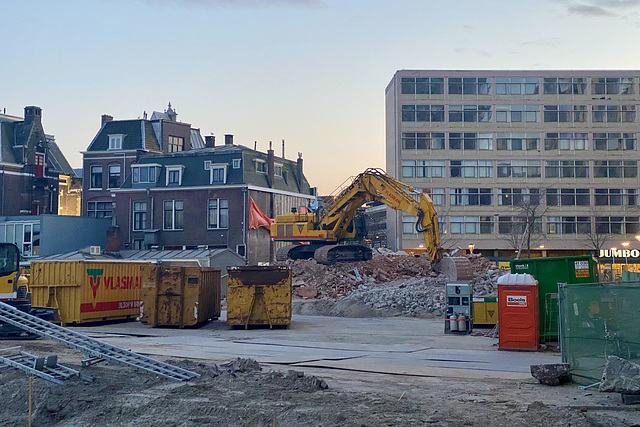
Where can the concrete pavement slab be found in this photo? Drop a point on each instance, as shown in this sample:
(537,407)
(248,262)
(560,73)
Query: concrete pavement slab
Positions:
(401,346)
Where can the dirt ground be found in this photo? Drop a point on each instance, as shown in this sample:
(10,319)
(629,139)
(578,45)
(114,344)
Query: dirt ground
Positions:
(243,393)
(246,394)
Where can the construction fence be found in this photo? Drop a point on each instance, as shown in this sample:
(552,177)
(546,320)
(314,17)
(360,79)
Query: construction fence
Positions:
(597,321)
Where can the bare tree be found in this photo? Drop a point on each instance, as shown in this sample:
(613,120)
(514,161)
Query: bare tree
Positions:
(596,236)
(528,208)
(446,238)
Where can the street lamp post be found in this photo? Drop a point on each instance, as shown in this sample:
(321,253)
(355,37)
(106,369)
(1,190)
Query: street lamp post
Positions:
(626,260)
(613,261)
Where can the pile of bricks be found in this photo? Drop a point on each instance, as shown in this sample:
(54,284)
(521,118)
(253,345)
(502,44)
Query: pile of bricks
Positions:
(332,282)
(313,280)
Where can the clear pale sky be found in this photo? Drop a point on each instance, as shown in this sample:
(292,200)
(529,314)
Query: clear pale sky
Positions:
(312,72)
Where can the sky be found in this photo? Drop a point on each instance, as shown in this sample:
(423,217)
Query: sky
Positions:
(311,72)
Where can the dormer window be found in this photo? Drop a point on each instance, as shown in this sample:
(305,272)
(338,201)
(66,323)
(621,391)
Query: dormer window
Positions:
(144,174)
(115,141)
(261,166)
(277,170)
(176,144)
(218,173)
(236,163)
(174,175)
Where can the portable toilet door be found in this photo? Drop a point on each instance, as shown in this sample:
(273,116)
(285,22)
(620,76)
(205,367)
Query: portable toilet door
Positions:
(518,320)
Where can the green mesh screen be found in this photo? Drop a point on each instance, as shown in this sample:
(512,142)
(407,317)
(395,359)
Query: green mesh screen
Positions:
(597,321)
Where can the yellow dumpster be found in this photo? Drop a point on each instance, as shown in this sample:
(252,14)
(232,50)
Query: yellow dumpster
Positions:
(485,311)
(258,296)
(179,296)
(87,291)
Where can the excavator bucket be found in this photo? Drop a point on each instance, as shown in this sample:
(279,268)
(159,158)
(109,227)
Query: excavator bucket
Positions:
(455,268)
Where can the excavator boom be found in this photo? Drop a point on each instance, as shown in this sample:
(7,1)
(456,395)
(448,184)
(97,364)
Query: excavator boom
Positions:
(326,230)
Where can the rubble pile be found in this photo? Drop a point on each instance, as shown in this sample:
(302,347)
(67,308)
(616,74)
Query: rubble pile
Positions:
(485,280)
(332,282)
(398,284)
(415,297)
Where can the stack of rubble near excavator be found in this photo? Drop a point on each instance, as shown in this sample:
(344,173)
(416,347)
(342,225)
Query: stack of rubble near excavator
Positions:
(332,282)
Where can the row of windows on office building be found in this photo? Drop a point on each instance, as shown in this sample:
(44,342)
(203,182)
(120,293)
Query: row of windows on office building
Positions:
(520,168)
(517,85)
(554,225)
(534,196)
(217,213)
(513,141)
(617,113)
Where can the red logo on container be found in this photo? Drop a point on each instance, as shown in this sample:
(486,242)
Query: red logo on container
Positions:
(516,300)
(111,283)
(94,279)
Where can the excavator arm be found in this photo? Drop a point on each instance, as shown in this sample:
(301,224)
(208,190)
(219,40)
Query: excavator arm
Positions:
(323,234)
(375,185)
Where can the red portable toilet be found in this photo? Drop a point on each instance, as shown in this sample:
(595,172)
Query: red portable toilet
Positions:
(518,324)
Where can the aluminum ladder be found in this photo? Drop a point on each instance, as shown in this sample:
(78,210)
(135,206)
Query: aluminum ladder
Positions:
(43,367)
(90,347)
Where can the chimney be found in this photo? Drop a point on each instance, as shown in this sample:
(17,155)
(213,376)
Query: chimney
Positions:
(114,240)
(32,114)
(106,118)
(228,139)
(283,148)
(209,141)
(299,167)
(271,167)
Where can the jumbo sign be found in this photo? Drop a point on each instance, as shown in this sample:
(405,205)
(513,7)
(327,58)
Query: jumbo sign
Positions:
(620,253)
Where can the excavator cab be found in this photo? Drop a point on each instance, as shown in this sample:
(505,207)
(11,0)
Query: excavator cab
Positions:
(16,294)
(331,233)
(9,271)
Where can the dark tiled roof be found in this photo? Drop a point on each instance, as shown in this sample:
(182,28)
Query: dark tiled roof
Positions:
(133,135)
(150,139)
(196,175)
(289,181)
(6,139)
(22,133)
(57,160)
(15,131)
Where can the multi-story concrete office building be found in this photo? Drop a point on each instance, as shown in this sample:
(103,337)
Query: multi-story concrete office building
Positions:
(499,149)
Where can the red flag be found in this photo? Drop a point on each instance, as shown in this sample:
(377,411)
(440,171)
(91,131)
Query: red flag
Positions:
(257,218)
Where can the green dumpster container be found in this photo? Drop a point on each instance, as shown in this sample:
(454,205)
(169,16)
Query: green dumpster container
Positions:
(549,272)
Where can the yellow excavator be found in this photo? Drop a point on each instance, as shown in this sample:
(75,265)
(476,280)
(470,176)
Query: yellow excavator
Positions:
(325,232)
(14,292)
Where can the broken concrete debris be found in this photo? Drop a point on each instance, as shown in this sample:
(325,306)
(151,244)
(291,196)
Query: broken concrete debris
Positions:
(297,379)
(551,374)
(241,365)
(621,376)
(398,282)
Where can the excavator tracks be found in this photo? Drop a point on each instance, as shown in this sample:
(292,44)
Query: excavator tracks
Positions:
(296,252)
(331,254)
